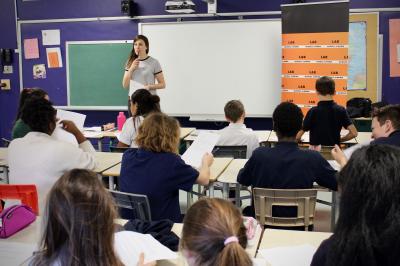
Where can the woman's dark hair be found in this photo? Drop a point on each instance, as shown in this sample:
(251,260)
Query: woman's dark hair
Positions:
(207,224)
(367,232)
(287,119)
(146,103)
(34,93)
(39,115)
(133,55)
(79,219)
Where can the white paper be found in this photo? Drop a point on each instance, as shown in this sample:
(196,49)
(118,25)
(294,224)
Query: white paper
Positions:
(398,52)
(95,129)
(134,85)
(349,151)
(61,134)
(128,245)
(288,256)
(77,118)
(204,143)
(91,134)
(51,37)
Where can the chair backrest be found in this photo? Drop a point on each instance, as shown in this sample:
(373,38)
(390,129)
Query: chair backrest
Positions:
(137,203)
(326,152)
(303,199)
(118,149)
(6,142)
(26,193)
(237,152)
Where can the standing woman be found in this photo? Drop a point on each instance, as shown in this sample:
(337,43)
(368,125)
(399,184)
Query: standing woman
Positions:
(141,69)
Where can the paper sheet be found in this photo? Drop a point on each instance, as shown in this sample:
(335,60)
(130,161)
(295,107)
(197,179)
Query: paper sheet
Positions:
(204,143)
(77,118)
(61,134)
(54,59)
(128,245)
(51,37)
(134,85)
(95,129)
(31,48)
(288,256)
(39,71)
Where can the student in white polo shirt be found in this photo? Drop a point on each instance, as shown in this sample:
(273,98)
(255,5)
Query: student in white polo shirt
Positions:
(236,133)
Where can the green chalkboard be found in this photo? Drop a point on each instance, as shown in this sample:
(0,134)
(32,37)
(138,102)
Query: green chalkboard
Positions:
(95,73)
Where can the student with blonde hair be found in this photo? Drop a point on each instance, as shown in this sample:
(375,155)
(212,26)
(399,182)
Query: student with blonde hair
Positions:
(155,169)
(214,234)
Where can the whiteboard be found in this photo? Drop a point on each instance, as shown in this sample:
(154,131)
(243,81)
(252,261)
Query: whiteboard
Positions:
(208,63)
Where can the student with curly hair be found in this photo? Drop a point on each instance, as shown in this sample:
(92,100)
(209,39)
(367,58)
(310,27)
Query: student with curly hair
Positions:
(367,231)
(20,128)
(155,169)
(214,234)
(41,159)
(286,166)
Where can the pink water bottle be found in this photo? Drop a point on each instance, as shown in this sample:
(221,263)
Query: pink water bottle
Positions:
(121,120)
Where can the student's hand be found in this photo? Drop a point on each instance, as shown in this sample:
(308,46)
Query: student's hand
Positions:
(69,126)
(141,261)
(134,65)
(339,156)
(208,159)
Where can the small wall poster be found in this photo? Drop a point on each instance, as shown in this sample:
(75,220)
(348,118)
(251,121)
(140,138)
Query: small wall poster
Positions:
(39,71)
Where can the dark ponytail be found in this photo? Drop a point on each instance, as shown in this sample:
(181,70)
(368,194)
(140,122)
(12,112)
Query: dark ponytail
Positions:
(33,93)
(146,102)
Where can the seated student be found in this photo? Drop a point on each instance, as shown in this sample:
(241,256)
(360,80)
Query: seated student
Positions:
(20,129)
(326,120)
(155,169)
(236,132)
(213,234)
(79,223)
(142,103)
(286,166)
(386,125)
(385,130)
(367,230)
(41,159)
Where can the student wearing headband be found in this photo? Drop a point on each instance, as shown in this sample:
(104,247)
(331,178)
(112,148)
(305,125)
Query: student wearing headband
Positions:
(214,234)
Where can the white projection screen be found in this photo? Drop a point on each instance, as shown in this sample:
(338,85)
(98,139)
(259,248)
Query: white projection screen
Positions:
(207,63)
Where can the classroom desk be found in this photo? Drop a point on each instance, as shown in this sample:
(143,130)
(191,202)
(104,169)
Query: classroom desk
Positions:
(229,177)
(262,135)
(364,137)
(273,238)
(3,162)
(99,136)
(106,160)
(273,138)
(216,169)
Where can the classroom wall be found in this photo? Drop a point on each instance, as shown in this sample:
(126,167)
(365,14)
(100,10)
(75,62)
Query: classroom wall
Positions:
(61,9)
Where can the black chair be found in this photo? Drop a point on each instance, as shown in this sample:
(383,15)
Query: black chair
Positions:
(237,152)
(118,149)
(136,204)
(6,142)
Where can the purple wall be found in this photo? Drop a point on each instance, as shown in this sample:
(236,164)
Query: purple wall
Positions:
(59,9)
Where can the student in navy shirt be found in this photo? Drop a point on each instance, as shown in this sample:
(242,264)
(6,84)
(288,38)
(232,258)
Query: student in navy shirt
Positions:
(286,166)
(367,231)
(385,130)
(155,169)
(326,120)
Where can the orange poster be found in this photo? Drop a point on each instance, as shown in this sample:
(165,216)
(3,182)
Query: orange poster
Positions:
(394,46)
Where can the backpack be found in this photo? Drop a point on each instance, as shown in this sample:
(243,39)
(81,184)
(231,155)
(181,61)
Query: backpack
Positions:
(359,107)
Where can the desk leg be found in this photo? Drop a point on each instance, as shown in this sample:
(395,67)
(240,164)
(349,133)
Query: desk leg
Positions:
(111,182)
(100,144)
(225,190)
(334,209)
(237,195)
(211,190)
